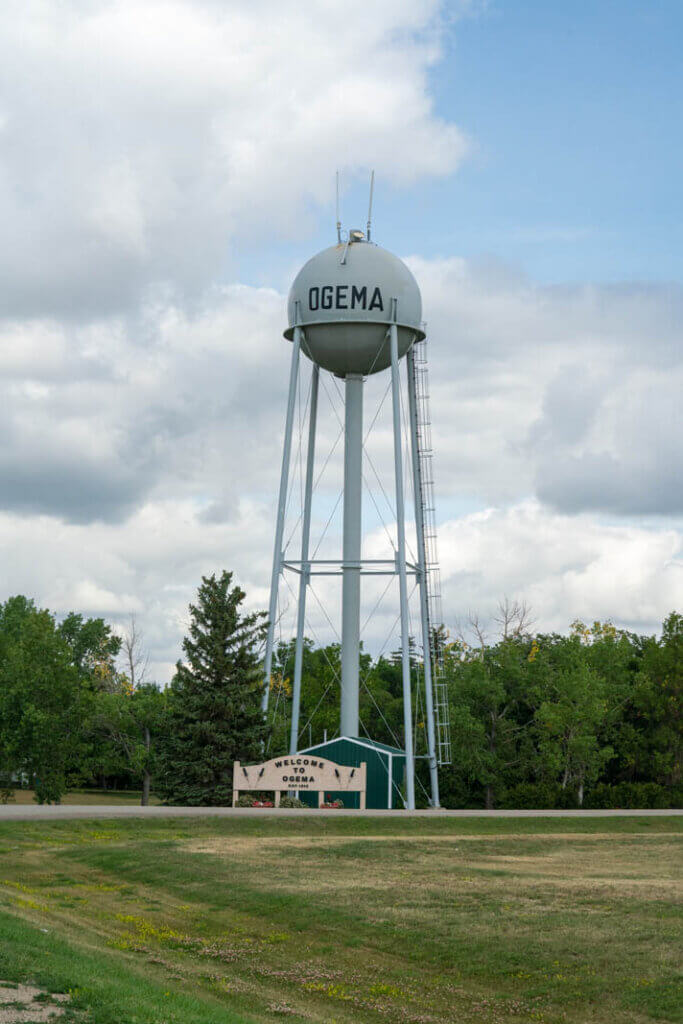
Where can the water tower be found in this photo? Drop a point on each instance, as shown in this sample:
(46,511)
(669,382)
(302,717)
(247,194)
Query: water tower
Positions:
(355,310)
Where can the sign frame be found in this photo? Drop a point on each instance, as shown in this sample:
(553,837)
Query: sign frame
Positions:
(307,773)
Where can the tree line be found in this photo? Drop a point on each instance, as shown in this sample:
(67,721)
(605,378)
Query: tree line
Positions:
(589,718)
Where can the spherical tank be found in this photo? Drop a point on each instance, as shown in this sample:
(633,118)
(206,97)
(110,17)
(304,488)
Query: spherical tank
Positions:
(343,299)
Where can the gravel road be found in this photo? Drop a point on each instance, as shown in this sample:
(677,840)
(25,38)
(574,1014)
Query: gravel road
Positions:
(35,812)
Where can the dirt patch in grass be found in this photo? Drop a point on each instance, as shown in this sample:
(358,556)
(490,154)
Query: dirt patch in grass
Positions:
(24,1003)
(232,844)
(568,861)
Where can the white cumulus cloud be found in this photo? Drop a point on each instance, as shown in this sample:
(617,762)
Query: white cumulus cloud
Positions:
(142,138)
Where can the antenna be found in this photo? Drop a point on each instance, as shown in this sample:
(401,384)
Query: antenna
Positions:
(338,220)
(372,188)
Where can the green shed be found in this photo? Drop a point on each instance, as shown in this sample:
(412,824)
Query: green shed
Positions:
(385,771)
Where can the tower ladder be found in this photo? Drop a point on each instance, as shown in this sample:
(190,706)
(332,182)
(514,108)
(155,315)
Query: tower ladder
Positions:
(434,607)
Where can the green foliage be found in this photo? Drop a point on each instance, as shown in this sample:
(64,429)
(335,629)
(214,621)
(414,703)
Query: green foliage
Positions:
(251,799)
(490,715)
(381,696)
(536,721)
(6,788)
(128,724)
(586,719)
(292,802)
(214,715)
(40,701)
(93,648)
(537,795)
(634,795)
(658,701)
(589,719)
(568,723)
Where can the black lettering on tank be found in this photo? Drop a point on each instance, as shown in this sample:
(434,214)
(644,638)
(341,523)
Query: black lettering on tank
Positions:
(313,298)
(376,300)
(341,288)
(326,293)
(359,297)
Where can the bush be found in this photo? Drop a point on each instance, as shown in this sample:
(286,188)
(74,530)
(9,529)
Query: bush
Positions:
(456,791)
(633,796)
(291,801)
(531,795)
(254,800)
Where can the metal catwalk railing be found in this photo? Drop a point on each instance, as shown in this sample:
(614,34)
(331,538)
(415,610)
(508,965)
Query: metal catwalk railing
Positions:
(434,607)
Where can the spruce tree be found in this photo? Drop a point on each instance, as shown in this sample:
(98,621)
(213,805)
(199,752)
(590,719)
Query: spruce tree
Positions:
(215,713)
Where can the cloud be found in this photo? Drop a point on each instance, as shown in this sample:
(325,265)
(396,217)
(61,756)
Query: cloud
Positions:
(151,565)
(570,394)
(140,138)
(564,567)
(99,417)
(143,451)
(623,457)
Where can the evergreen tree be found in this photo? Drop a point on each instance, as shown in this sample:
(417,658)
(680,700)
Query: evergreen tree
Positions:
(214,713)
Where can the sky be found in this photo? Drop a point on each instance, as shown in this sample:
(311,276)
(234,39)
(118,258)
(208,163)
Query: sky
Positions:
(166,166)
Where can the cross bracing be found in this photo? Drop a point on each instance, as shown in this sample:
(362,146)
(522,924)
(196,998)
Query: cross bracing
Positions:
(410,434)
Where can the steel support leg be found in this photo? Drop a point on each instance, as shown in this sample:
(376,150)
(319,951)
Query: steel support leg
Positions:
(304,579)
(353,477)
(279,529)
(422,579)
(403,582)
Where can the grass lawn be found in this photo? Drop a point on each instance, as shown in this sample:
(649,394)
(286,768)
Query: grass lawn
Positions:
(82,797)
(210,921)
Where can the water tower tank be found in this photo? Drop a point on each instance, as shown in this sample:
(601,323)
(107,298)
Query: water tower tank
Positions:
(343,298)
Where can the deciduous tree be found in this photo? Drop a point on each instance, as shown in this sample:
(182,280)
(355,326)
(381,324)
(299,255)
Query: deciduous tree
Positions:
(40,708)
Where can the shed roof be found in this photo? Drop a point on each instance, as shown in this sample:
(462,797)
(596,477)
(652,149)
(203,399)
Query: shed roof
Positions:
(383,748)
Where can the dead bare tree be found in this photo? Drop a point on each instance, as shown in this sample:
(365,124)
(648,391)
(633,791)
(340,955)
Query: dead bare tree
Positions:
(473,625)
(514,618)
(136,660)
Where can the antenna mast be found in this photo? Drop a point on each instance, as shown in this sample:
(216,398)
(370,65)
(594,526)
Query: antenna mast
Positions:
(338,220)
(372,188)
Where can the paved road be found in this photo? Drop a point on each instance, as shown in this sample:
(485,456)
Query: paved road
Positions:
(34,812)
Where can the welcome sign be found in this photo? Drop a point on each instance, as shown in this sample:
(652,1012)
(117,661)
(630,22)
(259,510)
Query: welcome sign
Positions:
(299,773)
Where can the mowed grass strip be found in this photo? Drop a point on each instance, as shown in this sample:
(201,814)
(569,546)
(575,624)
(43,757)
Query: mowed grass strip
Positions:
(85,797)
(347,920)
